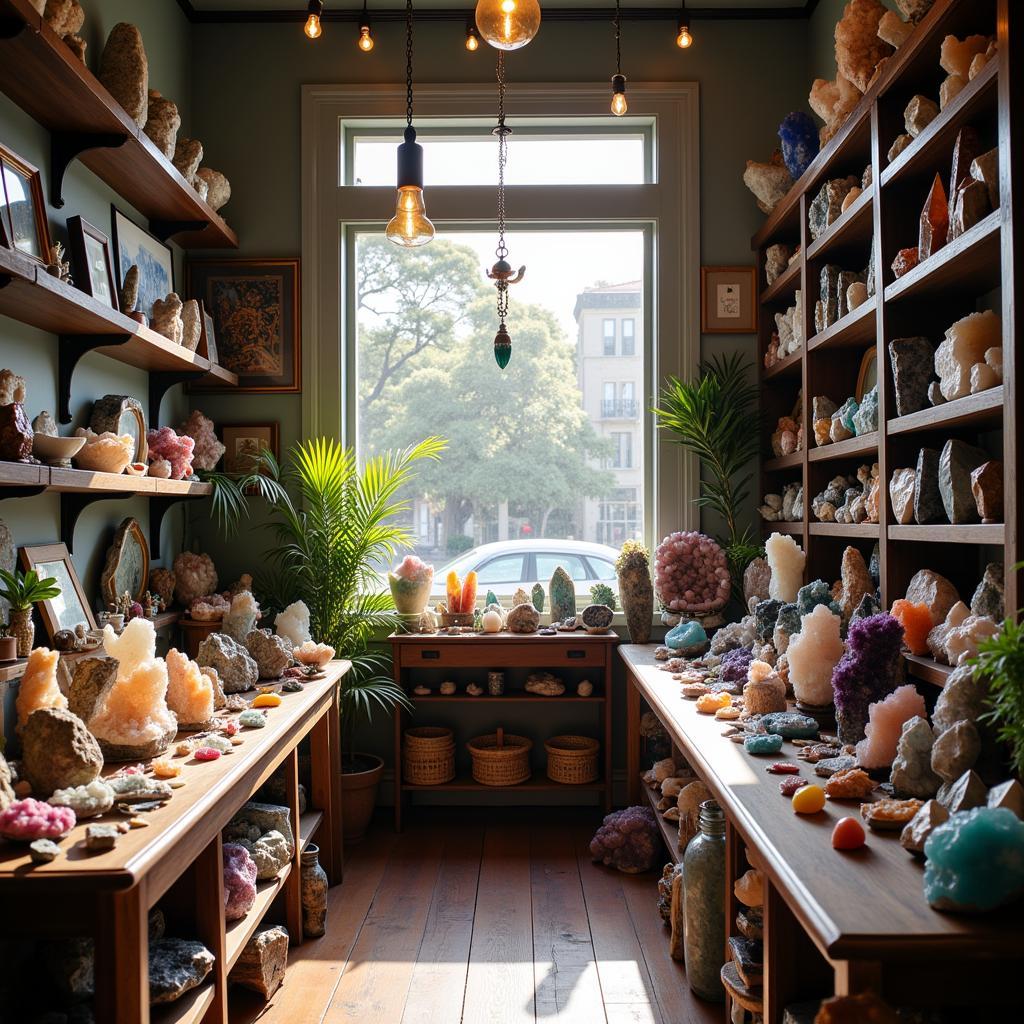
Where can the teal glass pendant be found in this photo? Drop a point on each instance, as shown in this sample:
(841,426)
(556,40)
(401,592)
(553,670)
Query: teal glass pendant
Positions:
(502,347)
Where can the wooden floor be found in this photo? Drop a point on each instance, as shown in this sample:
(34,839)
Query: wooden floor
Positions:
(504,923)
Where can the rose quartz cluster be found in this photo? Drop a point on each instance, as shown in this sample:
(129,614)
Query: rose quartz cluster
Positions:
(194,576)
(28,820)
(885,723)
(208,449)
(165,444)
(691,573)
(209,608)
(239,881)
(414,569)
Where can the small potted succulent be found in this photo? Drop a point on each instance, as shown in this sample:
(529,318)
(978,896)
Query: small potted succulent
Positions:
(21,591)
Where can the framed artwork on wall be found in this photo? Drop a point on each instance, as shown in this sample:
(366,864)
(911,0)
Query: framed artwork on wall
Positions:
(208,337)
(69,608)
(94,265)
(22,207)
(243,442)
(255,310)
(728,300)
(134,246)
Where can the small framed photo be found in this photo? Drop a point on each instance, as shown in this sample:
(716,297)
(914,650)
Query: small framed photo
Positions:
(728,300)
(94,266)
(134,246)
(208,337)
(69,608)
(22,207)
(243,443)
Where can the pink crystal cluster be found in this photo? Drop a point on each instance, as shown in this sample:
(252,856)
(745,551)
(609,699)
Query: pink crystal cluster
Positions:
(414,569)
(239,881)
(691,573)
(166,446)
(208,448)
(28,820)
(195,575)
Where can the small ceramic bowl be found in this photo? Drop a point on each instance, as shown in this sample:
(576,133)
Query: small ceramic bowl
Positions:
(50,448)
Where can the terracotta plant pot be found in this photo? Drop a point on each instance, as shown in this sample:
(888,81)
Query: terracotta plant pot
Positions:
(23,630)
(359,795)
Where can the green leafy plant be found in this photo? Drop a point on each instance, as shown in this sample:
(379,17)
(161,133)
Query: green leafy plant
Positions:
(716,418)
(1000,664)
(21,590)
(327,548)
(601,593)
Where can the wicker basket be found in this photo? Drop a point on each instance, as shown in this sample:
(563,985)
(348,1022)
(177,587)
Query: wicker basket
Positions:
(428,756)
(572,759)
(500,759)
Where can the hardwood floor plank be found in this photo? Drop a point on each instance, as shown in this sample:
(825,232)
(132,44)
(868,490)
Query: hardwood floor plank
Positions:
(626,985)
(439,978)
(375,985)
(566,985)
(499,986)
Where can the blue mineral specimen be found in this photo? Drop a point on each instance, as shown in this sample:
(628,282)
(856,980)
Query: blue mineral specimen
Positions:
(687,638)
(790,725)
(799,136)
(763,743)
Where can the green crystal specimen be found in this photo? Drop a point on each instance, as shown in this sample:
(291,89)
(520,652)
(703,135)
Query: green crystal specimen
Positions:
(562,595)
(491,599)
(601,593)
(809,596)
(537,597)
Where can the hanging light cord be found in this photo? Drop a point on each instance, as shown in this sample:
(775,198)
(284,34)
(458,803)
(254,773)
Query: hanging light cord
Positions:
(618,39)
(408,63)
(503,132)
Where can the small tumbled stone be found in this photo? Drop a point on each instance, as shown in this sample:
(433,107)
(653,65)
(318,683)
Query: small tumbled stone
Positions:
(727,714)
(101,837)
(138,823)
(252,719)
(43,851)
(294,686)
(763,743)
(266,700)
(206,754)
(176,783)
(783,768)
(787,787)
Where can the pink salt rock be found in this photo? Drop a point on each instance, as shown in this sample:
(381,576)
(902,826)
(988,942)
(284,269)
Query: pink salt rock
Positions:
(177,450)
(208,449)
(965,344)
(189,692)
(39,687)
(27,820)
(691,573)
(239,881)
(885,723)
(133,719)
(813,654)
(206,754)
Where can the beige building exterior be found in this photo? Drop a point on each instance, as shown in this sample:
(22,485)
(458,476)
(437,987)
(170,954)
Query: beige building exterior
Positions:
(610,367)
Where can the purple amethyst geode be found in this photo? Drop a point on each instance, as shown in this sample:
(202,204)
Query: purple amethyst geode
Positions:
(799,136)
(871,668)
(735,664)
(628,840)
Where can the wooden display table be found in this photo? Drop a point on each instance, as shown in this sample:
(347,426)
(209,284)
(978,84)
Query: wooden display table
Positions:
(864,913)
(109,895)
(413,653)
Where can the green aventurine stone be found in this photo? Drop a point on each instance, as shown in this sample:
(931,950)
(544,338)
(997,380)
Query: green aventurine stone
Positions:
(491,599)
(537,597)
(562,595)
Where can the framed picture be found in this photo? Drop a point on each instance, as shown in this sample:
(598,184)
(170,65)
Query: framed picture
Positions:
(70,607)
(255,310)
(728,300)
(94,266)
(243,442)
(134,246)
(208,337)
(22,207)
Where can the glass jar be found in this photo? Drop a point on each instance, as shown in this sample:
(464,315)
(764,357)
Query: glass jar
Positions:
(704,888)
(314,893)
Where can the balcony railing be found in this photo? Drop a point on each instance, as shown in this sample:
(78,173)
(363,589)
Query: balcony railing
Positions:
(619,409)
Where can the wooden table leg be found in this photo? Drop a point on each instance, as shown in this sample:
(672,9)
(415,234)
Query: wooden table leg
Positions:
(209,895)
(853,976)
(326,780)
(292,884)
(337,799)
(122,956)
(632,740)
(606,711)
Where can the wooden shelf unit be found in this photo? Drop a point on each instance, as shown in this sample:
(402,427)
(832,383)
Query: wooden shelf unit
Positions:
(43,77)
(978,270)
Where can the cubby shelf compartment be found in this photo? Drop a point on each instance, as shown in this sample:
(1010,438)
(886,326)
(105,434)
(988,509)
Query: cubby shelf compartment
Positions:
(862,444)
(669,830)
(928,669)
(238,933)
(856,329)
(944,533)
(782,526)
(782,462)
(537,783)
(867,531)
(41,75)
(191,1008)
(853,228)
(789,366)
(983,411)
(784,285)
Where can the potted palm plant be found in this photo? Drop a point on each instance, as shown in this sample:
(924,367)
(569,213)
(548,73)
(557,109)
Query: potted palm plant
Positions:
(21,590)
(332,543)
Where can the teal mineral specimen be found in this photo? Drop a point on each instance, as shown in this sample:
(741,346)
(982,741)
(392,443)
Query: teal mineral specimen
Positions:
(808,597)
(491,598)
(252,719)
(846,413)
(762,743)
(975,861)
(562,595)
(765,615)
(537,597)
(790,725)
(687,638)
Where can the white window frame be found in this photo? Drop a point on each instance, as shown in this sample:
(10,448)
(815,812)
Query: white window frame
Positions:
(667,208)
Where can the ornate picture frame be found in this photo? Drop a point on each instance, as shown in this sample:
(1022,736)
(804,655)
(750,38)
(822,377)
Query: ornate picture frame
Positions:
(71,607)
(23,208)
(127,566)
(243,441)
(728,300)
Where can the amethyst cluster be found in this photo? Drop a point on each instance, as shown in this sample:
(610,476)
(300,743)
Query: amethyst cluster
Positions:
(734,665)
(628,840)
(870,669)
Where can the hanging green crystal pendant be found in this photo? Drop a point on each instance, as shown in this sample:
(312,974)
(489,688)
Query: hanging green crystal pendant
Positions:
(502,347)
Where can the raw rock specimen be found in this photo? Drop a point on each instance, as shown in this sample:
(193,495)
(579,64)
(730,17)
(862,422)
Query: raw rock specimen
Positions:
(688,638)
(920,113)
(856,582)
(956,751)
(175,449)
(870,669)
(765,691)
(885,724)
(956,465)
(965,344)
(628,840)
(912,361)
(939,634)
(239,881)
(188,154)
(691,573)
(893,30)
(858,46)
(237,670)
(928,507)
(162,123)
(955,55)
(241,617)
(195,576)
(988,598)
(191,325)
(916,620)
(190,693)
(912,773)
(561,595)
(313,655)
(768,181)
(132,720)
(962,854)
(87,800)
(850,784)
(124,71)
(272,654)
(827,205)
(905,261)
(914,10)
(523,618)
(58,751)
(985,169)
(833,102)
(1009,794)
(135,645)
(786,560)
(218,188)
(175,967)
(27,820)
(39,687)
(166,318)
(934,222)
(963,793)
(962,641)
(104,453)
(934,590)
(15,434)
(799,137)
(813,654)
(207,449)
(544,684)
(261,965)
(915,833)
(889,815)
(776,258)
(789,725)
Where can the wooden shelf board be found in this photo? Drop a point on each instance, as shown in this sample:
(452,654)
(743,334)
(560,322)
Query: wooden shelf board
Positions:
(854,227)
(928,669)
(862,444)
(782,527)
(866,530)
(945,533)
(787,367)
(22,474)
(856,329)
(309,822)
(784,285)
(508,698)
(970,263)
(669,829)
(538,782)
(41,75)
(980,410)
(191,1008)
(84,481)
(782,462)
(934,145)
(238,933)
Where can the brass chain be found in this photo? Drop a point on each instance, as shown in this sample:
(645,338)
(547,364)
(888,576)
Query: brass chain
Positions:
(618,39)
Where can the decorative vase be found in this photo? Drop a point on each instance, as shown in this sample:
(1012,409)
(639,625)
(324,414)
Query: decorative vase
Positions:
(704,889)
(636,595)
(8,648)
(23,630)
(410,596)
(359,794)
(313,880)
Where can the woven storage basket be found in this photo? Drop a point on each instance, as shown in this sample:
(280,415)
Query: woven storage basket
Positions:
(428,756)
(572,759)
(500,759)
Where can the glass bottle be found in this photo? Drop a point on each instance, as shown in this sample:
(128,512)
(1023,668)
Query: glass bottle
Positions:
(704,887)
(314,893)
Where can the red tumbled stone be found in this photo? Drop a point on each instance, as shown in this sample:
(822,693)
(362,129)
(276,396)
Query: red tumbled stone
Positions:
(206,754)
(783,768)
(787,787)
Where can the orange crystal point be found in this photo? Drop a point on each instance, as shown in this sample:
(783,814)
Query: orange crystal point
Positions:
(916,621)
(189,691)
(454,589)
(934,221)
(39,687)
(468,600)
(135,711)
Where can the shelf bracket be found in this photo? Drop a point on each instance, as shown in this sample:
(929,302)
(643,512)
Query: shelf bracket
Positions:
(165,229)
(65,147)
(160,381)
(158,508)
(72,505)
(72,348)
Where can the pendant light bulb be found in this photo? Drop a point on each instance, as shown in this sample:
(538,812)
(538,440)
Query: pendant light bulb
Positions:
(508,24)
(684,40)
(472,38)
(410,227)
(313,28)
(619,104)
(365,39)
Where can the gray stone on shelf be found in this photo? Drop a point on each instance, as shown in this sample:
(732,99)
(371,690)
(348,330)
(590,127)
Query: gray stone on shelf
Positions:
(963,698)
(912,774)
(865,419)
(956,751)
(176,966)
(1008,794)
(261,964)
(58,751)
(829,291)
(91,679)
(929,816)
(988,596)
(913,369)
(935,395)
(828,766)
(964,793)
(928,507)
(270,853)
(956,463)
(255,820)
(238,671)
(846,278)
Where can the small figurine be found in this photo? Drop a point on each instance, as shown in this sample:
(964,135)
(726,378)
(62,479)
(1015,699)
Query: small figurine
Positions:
(58,266)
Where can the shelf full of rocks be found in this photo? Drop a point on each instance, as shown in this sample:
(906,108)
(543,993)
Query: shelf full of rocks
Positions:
(887,344)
